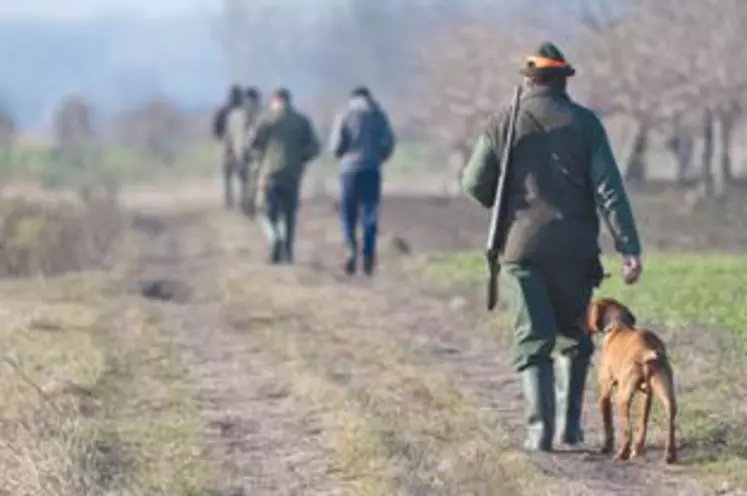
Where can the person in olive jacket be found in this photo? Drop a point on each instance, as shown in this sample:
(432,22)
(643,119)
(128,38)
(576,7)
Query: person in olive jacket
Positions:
(562,172)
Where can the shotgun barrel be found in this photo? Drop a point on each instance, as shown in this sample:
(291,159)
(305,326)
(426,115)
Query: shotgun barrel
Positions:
(494,239)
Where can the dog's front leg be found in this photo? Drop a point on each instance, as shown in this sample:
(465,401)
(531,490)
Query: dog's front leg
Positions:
(605,405)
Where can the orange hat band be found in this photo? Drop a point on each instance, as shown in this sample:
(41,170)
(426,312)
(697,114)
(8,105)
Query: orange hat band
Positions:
(545,63)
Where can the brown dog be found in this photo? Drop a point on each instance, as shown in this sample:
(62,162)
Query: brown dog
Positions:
(633,360)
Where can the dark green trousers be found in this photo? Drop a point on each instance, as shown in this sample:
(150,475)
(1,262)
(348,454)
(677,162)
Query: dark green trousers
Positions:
(546,304)
(546,307)
(280,207)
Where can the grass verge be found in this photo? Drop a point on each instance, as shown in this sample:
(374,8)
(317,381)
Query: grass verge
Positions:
(698,300)
(91,402)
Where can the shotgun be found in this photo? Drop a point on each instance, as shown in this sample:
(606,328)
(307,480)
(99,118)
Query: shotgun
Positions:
(494,240)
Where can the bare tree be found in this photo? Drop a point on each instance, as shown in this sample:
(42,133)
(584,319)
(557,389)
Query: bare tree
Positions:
(158,127)
(666,62)
(73,125)
(77,150)
(7,129)
(7,136)
(466,73)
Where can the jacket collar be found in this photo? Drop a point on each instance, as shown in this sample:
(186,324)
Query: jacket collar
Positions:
(359,103)
(551,91)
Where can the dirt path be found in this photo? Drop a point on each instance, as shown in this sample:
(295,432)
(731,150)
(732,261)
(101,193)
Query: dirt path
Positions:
(314,384)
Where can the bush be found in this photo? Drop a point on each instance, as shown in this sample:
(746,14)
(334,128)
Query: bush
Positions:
(44,239)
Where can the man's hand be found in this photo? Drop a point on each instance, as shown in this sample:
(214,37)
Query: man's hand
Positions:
(631,269)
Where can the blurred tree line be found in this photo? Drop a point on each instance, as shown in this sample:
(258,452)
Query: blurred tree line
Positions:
(94,157)
(664,74)
(656,70)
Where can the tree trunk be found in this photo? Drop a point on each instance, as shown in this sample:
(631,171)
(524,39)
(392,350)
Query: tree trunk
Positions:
(706,166)
(635,172)
(460,155)
(728,122)
(681,145)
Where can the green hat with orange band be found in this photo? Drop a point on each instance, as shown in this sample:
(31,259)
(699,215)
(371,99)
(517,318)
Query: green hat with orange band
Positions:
(548,60)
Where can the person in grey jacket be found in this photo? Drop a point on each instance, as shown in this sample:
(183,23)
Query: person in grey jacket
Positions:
(362,140)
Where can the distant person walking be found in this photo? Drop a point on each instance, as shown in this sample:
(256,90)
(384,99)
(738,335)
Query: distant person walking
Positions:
(248,171)
(286,142)
(230,127)
(362,140)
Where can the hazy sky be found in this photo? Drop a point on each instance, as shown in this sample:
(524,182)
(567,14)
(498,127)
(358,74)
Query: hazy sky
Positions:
(62,9)
(77,9)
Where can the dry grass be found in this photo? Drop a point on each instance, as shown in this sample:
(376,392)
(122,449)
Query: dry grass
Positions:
(397,425)
(91,401)
(57,236)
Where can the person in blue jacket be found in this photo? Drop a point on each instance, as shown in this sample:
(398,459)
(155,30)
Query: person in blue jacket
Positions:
(362,140)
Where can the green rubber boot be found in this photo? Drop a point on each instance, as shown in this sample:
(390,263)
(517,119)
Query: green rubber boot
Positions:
(539,397)
(570,381)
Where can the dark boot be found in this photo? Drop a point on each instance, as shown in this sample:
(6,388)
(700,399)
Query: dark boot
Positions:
(351,265)
(276,252)
(369,265)
(287,254)
(570,381)
(228,193)
(539,397)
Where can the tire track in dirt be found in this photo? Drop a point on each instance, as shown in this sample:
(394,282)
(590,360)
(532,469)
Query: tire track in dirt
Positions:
(267,440)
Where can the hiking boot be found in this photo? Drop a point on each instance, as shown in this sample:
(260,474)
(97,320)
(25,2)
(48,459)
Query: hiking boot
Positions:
(276,253)
(350,265)
(369,266)
(539,398)
(570,381)
(250,210)
(287,257)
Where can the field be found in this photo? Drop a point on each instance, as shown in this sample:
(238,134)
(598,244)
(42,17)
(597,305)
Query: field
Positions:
(181,364)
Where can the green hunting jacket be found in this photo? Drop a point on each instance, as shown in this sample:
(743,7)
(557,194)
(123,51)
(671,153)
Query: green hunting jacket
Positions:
(284,141)
(562,172)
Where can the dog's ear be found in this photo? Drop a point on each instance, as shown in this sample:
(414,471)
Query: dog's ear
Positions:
(594,317)
(625,316)
(606,311)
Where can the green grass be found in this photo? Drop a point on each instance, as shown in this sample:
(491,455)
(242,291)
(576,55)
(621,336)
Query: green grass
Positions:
(117,166)
(697,302)
(675,289)
(109,164)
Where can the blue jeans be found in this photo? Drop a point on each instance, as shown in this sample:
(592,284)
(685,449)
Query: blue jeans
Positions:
(359,200)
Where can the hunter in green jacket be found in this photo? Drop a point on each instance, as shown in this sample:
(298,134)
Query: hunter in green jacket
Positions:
(284,142)
(562,172)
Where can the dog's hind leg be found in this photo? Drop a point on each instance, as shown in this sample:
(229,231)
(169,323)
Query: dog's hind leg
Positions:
(605,406)
(663,388)
(640,436)
(625,396)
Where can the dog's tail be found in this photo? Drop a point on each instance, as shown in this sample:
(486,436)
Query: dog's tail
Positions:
(651,361)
